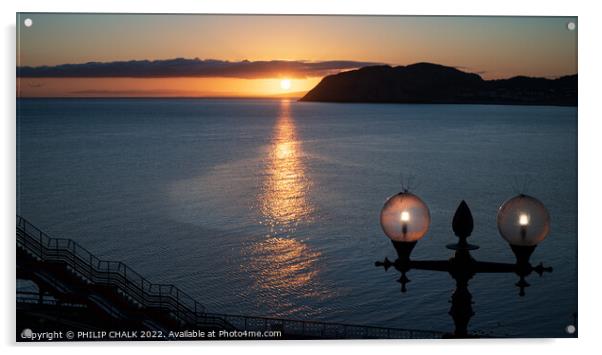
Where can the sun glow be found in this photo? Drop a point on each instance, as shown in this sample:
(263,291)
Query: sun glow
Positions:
(285,84)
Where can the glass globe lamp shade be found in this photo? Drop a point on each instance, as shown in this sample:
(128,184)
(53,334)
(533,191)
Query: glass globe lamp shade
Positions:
(405,217)
(523,221)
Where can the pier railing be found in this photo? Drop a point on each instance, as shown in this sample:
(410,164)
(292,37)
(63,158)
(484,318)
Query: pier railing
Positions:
(181,306)
(136,288)
(324,330)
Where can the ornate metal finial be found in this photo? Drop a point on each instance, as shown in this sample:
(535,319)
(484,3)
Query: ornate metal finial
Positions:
(462,224)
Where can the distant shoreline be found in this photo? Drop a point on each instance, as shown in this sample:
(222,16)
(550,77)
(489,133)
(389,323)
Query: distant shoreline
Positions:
(288,99)
(438,84)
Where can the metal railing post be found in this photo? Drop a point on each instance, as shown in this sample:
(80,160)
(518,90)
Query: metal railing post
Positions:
(73,255)
(90,270)
(41,246)
(178,304)
(161,297)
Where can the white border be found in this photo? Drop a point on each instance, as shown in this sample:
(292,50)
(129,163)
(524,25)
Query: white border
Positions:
(590,178)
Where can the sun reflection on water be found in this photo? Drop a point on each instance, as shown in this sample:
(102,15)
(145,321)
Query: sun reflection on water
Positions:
(292,264)
(282,264)
(284,194)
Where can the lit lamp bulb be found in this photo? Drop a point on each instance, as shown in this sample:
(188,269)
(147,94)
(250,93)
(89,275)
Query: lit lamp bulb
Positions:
(405,219)
(524,222)
(405,216)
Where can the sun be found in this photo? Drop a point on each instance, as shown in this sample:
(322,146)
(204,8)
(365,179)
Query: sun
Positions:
(285,84)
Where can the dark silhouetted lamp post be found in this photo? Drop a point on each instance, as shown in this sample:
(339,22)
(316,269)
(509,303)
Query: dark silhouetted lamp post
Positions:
(523,221)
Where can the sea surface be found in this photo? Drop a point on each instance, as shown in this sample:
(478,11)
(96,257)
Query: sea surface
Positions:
(271,207)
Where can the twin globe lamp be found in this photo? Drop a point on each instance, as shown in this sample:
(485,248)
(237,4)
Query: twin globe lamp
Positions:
(523,221)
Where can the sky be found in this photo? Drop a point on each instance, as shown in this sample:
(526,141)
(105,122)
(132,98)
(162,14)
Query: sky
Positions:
(256,56)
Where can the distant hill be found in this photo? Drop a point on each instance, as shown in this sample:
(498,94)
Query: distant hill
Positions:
(433,83)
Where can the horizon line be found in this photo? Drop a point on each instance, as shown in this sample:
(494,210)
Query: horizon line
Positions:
(164,97)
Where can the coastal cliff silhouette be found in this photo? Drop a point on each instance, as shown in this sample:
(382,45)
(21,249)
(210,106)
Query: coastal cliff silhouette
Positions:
(437,84)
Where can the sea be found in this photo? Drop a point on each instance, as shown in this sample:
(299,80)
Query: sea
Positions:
(270,207)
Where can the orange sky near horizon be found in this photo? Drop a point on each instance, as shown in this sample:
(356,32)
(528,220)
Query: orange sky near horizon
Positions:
(493,47)
(162,87)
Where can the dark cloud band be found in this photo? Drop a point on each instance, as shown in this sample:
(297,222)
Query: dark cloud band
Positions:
(181,67)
